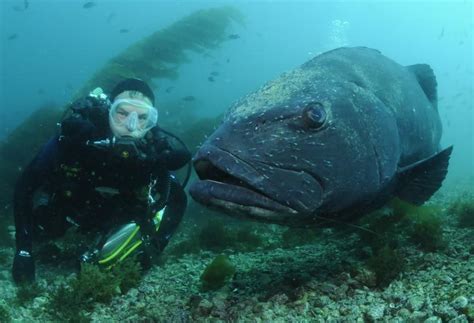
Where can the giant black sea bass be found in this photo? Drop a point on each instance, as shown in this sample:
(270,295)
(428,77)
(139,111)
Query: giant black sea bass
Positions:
(327,142)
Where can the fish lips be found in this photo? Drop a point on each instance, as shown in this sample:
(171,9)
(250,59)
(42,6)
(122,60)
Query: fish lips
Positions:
(256,189)
(237,200)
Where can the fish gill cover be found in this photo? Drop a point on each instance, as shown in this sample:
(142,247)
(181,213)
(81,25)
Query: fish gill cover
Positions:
(156,56)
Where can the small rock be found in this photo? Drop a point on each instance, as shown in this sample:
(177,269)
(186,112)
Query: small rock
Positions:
(447,279)
(204,307)
(415,302)
(459,319)
(471,277)
(446,312)
(366,277)
(170,299)
(404,313)
(133,292)
(470,312)
(433,319)
(376,312)
(417,316)
(460,302)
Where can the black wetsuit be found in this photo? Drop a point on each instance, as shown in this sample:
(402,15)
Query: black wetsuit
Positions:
(70,182)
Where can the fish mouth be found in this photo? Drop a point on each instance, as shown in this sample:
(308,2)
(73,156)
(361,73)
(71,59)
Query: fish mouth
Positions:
(234,186)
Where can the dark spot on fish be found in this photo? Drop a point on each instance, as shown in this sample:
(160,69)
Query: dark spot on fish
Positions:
(214,73)
(210,79)
(12,36)
(169,89)
(89,5)
(233,36)
(189,98)
(124,31)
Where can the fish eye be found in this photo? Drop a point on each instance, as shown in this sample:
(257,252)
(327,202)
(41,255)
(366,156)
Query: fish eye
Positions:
(314,115)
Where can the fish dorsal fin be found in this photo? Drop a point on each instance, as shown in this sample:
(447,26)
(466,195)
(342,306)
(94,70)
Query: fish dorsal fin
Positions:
(419,181)
(427,80)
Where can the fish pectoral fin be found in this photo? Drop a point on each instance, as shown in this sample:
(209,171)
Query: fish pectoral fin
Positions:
(419,181)
(427,80)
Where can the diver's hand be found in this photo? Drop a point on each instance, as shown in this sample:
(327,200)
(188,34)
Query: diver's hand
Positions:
(77,130)
(23,269)
(84,105)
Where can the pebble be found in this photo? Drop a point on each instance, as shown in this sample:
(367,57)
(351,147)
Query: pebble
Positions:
(415,302)
(376,312)
(459,319)
(170,299)
(417,316)
(460,302)
(205,307)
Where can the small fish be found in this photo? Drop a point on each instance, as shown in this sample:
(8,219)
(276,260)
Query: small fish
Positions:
(214,73)
(124,31)
(12,36)
(169,89)
(40,91)
(189,98)
(227,60)
(23,7)
(211,79)
(110,17)
(441,34)
(233,36)
(89,5)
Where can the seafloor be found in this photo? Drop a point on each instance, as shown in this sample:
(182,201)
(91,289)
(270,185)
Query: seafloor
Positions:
(323,280)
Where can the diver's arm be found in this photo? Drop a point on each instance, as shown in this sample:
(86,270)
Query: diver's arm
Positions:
(174,159)
(76,130)
(88,121)
(30,180)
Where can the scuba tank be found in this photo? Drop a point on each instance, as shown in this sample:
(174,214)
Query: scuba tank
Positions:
(119,244)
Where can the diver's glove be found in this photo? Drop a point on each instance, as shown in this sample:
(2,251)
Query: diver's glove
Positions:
(88,106)
(77,130)
(173,159)
(88,117)
(23,269)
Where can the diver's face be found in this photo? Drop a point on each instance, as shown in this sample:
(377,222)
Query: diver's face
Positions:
(132,116)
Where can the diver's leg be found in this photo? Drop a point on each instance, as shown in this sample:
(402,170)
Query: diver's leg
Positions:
(173,214)
(49,220)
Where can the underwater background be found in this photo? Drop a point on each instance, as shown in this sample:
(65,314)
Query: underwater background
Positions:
(50,52)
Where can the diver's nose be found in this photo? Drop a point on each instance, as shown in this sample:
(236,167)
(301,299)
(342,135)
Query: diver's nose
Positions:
(132,121)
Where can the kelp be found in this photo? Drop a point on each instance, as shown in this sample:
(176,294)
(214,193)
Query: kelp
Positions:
(160,54)
(156,56)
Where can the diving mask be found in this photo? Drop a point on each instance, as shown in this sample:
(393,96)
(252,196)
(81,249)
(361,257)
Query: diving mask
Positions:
(130,117)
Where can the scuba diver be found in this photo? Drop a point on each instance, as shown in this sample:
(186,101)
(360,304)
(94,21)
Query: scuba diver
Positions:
(110,172)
